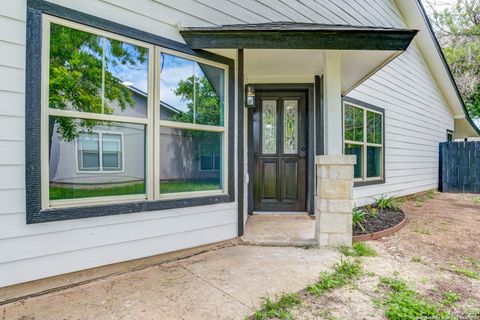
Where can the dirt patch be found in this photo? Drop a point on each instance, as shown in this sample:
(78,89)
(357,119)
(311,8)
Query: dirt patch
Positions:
(382,220)
(437,253)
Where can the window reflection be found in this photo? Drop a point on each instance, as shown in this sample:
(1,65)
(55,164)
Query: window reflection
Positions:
(191,92)
(105,160)
(190,160)
(91,73)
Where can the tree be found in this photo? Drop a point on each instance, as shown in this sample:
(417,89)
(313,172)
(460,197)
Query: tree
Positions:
(458,30)
(77,81)
(202,101)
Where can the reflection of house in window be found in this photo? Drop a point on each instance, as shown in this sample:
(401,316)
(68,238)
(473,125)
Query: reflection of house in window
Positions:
(100,152)
(209,156)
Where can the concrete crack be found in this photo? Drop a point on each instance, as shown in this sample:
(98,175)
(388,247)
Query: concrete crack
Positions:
(219,289)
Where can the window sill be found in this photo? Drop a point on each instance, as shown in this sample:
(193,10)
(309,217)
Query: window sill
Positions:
(60,214)
(368,183)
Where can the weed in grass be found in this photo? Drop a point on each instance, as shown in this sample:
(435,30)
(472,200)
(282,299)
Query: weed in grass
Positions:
(404,303)
(358,249)
(344,272)
(477,200)
(279,309)
(422,230)
(450,298)
(385,202)
(473,274)
(416,259)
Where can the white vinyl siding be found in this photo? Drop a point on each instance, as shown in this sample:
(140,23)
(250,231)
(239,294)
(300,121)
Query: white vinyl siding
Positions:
(416,119)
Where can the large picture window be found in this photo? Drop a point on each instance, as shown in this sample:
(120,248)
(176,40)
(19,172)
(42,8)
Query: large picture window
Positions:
(124,120)
(363,137)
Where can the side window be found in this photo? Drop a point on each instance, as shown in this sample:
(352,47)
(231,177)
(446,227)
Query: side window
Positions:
(363,137)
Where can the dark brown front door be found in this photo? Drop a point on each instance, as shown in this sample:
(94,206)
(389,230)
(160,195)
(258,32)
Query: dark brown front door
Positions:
(280,152)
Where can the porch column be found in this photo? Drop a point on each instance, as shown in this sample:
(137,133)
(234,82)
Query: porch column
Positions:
(333,102)
(334,200)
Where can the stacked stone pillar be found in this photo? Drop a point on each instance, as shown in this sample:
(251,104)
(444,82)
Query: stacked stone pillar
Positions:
(334,200)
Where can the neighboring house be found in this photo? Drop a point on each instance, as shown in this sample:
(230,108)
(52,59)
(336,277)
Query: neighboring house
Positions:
(273,84)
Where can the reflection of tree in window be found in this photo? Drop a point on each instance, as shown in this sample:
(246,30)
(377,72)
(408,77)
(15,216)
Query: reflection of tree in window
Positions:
(84,76)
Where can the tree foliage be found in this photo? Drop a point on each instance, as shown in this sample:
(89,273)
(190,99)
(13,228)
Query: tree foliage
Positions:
(458,29)
(203,103)
(76,78)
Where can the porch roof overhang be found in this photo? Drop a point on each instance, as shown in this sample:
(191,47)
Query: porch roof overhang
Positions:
(294,35)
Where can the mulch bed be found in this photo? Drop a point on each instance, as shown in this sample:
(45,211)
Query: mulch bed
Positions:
(385,218)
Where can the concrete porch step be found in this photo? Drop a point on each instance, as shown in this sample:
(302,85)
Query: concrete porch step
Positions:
(280,230)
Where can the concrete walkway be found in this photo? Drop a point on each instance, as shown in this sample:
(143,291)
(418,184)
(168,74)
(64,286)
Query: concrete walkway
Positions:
(221,284)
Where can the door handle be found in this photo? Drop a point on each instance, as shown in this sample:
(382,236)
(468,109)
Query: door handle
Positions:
(303,152)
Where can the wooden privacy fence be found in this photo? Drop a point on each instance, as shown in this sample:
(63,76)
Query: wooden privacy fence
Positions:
(460,167)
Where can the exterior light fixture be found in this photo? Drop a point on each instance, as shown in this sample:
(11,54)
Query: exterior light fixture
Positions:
(250,96)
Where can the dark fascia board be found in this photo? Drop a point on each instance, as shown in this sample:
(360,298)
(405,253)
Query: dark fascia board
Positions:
(298,36)
(34,211)
(445,64)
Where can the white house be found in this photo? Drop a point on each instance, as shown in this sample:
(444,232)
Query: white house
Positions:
(240,97)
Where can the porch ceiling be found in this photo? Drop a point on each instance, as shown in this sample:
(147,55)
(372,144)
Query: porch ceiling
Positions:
(294,35)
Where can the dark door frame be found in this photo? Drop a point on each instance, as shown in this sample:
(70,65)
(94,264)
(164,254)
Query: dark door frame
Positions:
(308,89)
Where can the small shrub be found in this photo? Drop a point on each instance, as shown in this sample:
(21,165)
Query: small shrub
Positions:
(358,249)
(343,273)
(384,202)
(358,218)
(279,309)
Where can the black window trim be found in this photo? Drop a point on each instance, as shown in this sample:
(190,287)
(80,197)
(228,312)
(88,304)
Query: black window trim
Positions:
(34,211)
(365,105)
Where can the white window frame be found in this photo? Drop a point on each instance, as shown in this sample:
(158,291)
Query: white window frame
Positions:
(365,144)
(100,156)
(152,123)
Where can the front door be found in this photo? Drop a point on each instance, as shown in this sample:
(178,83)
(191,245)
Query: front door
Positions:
(280,152)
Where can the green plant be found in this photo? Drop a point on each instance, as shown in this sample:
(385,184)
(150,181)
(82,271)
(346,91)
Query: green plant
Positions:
(450,298)
(473,274)
(344,272)
(358,249)
(385,202)
(279,309)
(477,200)
(404,303)
(372,211)
(358,218)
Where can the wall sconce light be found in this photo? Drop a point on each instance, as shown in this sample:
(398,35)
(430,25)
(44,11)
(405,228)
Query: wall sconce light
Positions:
(250,96)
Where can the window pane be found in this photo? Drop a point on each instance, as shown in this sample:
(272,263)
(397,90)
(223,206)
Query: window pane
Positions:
(353,123)
(66,182)
(374,127)
(353,149)
(290,135)
(90,73)
(112,151)
(190,91)
(180,157)
(88,151)
(269,126)
(374,160)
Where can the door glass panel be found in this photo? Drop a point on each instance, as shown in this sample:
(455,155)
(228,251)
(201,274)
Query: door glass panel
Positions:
(290,127)
(269,126)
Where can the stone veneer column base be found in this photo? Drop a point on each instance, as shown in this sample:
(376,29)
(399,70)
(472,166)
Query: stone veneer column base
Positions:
(334,200)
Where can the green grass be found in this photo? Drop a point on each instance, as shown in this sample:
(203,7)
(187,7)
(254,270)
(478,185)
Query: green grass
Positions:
(344,273)
(61,193)
(279,309)
(404,303)
(477,200)
(191,185)
(358,249)
(469,273)
(450,298)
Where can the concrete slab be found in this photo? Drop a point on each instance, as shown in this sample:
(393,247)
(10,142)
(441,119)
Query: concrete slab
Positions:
(221,284)
(281,230)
